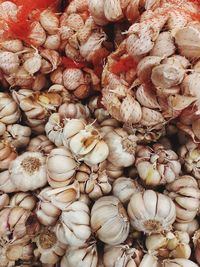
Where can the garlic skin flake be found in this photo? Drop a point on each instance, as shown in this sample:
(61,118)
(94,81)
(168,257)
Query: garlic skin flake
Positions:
(109,220)
(28,171)
(151,212)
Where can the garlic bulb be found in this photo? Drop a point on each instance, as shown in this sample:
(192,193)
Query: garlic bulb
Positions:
(74,227)
(7,155)
(186,195)
(4,200)
(169,245)
(89,146)
(121,255)
(74,111)
(149,260)
(109,220)
(190,157)
(40,143)
(189,228)
(61,167)
(151,212)
(63,196)
(6,185)
(47,213)
(83,256)
(93,181)
(124,188)
(24,200)
(113,171)
(9,110)
(196,241)
(179,263)
(18,135)
(121,147)
(28,171)
(17,223)
(157,165)
(49,249)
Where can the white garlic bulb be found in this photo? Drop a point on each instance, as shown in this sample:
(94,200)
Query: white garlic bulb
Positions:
(74,227)
(61,167)
(121,147)
(179,263)
(151,212)
(109,220)
(124,188)
(24,200)
(28,171)
(84,256)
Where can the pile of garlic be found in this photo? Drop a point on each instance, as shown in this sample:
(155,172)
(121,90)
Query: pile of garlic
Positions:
(99,133)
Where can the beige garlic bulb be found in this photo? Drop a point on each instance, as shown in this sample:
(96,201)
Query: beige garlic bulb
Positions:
(121,255)
(61,166)
(88,146)
(189,227)
(47,213)
(190,157)
(169,245)
(9,110)
(196,242)
(109,220)
(28,171)
(149,260)
(113,171)
(24,200)
(93,181)
(63,196)
(4,200)
(74,111)
(179,263)
(151,212)
(16,251)
(186,195)
(157,165)
(124,188)
(20,222)
(49,250)
(40,143)
(18,135)
(82,256)
(7,154)
(121,147)
(74,226)
(6,185)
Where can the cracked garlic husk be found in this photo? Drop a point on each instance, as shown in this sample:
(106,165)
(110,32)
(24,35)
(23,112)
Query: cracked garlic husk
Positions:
(109,220)
(151,212)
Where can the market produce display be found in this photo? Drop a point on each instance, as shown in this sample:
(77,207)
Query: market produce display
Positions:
(100,133)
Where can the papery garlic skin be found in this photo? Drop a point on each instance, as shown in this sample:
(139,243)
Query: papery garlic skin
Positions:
(124,188)
(28,171)
(47,213)
(121,255)
(61,167)
(24,200)
(157,165)
(149,260)
(49,250)
(80,256)
(109,220)
(121,147)
(151,212)
(186,195)
(74,227)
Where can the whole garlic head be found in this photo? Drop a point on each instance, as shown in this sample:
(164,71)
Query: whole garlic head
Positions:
(28,171)
(151,212)
(109,220)
(74,227)
(186,195)
(82,256)
(61,167)
(121,147)
(157,165)
(124,188)
(40,143)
